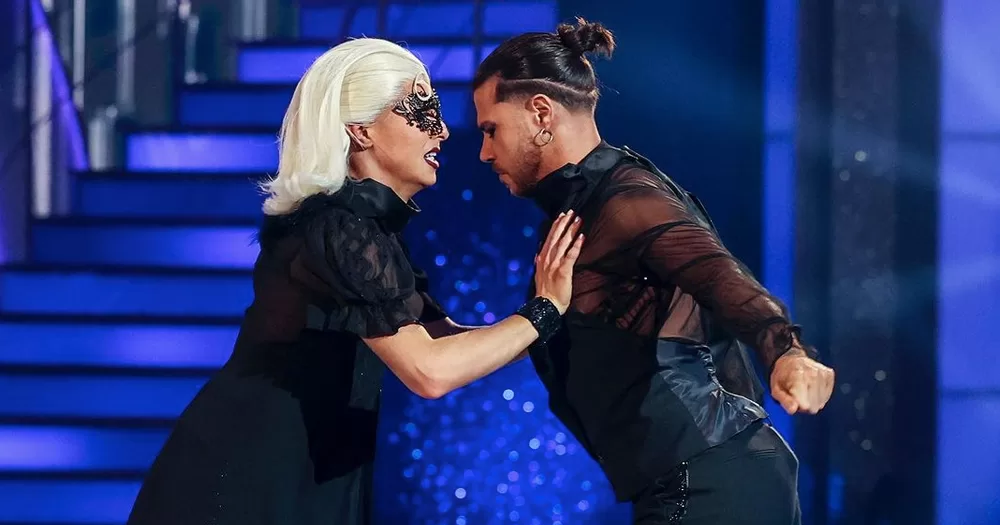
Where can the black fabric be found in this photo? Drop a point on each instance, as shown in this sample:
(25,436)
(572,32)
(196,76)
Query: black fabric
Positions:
(653,366)
(646,233)
(749,480)
(285,432)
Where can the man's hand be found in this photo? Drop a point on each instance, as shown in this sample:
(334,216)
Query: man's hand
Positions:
(801,384)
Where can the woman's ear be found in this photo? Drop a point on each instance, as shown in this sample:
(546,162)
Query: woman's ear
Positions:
(360,137)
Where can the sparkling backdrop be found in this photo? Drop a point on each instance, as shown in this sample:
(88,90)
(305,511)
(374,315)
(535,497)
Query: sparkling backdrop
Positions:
(491,452)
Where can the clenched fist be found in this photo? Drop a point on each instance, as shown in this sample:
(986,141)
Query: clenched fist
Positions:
(801,384)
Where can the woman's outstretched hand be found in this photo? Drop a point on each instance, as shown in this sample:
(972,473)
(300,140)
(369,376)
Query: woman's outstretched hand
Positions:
(554,262)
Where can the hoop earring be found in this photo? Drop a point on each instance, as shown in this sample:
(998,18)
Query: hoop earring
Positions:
(543,138)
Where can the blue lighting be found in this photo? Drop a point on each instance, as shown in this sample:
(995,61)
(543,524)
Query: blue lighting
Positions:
(91,293)
(77,449)
(201,152)
(778,250)
(138,345)
(158,196)
(276,65)
(325,22)
(968,266)
(44,501)
(467,195)
(22,395)
(129,244)
(504,18)
(264,106)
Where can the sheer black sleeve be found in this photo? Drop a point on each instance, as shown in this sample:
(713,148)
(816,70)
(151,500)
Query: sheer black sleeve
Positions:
(363,272)
(677,247)
(432,310)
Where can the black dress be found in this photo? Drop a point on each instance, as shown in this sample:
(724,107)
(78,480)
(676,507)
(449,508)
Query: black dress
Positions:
(284,433)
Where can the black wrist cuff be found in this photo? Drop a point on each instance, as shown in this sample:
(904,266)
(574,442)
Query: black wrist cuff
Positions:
(543,315)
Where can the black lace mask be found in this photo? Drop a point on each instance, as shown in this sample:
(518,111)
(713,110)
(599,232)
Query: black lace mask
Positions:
(422,111)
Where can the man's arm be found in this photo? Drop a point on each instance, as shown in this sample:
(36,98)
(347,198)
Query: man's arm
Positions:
(679,248)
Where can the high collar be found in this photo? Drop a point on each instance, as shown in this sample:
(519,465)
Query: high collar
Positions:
(370,198)
(557,190)
(366,198)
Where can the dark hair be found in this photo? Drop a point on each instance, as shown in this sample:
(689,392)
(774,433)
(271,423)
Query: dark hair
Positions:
(552,64)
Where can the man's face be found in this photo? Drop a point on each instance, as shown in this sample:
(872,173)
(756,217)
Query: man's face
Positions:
(507,139)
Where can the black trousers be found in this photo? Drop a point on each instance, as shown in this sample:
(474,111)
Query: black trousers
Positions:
(749,480)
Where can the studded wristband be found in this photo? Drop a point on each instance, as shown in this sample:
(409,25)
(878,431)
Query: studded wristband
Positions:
(543,315)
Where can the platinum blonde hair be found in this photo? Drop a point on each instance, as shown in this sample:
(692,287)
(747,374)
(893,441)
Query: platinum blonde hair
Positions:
(352,83)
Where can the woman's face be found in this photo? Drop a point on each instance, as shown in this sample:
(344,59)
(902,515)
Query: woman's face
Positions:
(407,138)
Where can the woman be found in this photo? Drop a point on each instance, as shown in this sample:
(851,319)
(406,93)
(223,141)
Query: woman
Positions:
(285,432)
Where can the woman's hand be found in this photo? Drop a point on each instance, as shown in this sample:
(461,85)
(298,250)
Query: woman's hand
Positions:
(433,367)
(554,262)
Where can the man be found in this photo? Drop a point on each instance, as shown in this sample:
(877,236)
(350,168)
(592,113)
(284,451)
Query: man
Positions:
(650,372)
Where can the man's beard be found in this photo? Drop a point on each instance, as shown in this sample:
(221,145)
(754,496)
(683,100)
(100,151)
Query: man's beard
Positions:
(524,175)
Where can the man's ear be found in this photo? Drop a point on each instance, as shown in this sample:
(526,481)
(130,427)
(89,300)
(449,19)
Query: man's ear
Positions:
(543,109)
(360,136)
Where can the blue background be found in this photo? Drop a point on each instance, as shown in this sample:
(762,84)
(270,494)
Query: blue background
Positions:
(126,306)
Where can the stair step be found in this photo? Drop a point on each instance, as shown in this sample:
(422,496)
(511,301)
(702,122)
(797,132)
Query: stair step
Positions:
(327,22)
(146,242)
(285,62)
(161,195)
(265,104)
(402,21)
(95,397)
(234,104)
(156,292)
(427,19)
(73,449)
(64,502)
(113,343)
(199,150)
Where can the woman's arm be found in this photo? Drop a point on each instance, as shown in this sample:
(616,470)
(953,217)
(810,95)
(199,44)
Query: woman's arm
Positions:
(433,367)
(446,327)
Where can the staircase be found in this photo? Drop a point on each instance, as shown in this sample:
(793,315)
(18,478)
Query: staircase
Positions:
(128,305)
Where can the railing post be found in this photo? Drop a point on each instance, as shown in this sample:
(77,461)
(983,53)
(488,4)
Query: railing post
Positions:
(42,111)
(125,100)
